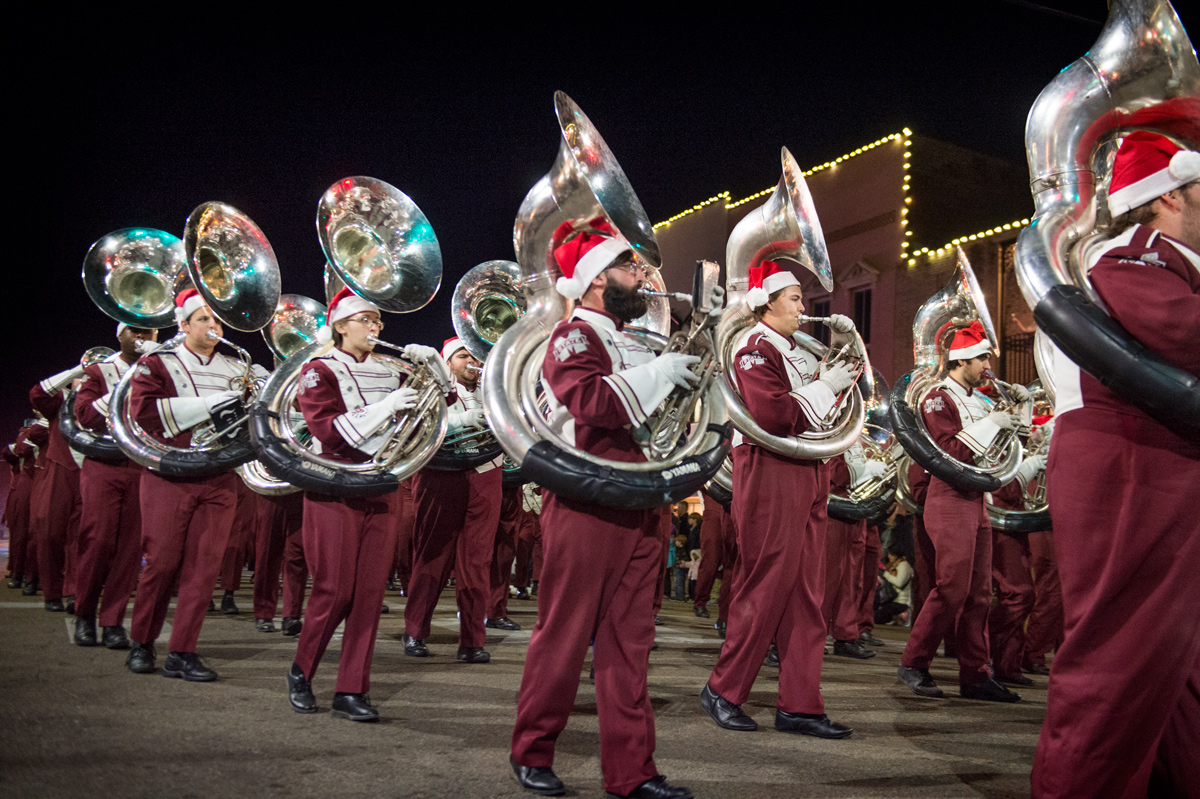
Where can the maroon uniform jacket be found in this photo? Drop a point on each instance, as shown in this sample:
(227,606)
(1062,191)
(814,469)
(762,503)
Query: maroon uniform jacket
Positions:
(163,378)
(334,390)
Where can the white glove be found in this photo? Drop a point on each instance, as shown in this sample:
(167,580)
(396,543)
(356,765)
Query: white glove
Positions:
(841,324)
(401,400)
(214,401)
(674,366)
(419,353)
(1019,393)
(1029,468)
(144,346)
(473,418)
(716,299)
(838,377)
(1004,420)
(873,469)
(56,383)
(259,371)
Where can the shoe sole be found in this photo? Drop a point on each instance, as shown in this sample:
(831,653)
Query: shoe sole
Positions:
(149,670)
(341,714)
(839,736)
(541,791)
(187,677)
(117,645)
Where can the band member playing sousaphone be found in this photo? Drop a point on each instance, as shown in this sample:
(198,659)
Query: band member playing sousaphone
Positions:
(456,517)
(348,399)
(602,562)
(779,511)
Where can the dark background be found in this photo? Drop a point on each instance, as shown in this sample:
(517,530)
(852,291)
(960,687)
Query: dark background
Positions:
(134,121)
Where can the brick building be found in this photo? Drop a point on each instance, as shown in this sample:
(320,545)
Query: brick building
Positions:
(893,212)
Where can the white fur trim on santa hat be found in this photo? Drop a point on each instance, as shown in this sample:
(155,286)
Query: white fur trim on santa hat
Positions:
(348,306)
(779,280)
(189,307)
(1183,168)
(966,353)
(120,327)
(452,346)
(325,334)
(757,297)
(595,261)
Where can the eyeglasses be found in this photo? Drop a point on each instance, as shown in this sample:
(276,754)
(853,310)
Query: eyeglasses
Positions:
(631,267)
(367,321)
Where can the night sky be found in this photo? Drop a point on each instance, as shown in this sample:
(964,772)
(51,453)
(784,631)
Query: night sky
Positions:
(134,122)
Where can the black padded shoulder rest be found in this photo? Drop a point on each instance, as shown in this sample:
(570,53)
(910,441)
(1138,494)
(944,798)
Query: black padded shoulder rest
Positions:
(80,439)
(924,452)
(844,510)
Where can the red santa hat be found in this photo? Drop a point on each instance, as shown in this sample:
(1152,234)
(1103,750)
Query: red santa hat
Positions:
(584,256)
(186,304)
(343,305)
(1146,166)
(969,342)
(766,279)
(451,346)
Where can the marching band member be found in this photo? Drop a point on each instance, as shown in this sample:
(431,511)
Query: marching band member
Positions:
(348,399)
(601,562)
(17,508)
(779,512)
(31,447)
(279,549)
(503,553)
(963,425)
(456,518)
(1126,534)
(185,520)
(718,550)
(56,512)
(528,564)
(110,534)
(241,538)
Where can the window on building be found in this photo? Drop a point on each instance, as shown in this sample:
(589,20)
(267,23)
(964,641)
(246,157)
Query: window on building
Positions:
(862,313)
(820,330)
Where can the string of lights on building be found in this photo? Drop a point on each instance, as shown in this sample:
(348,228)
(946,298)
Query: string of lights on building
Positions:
(903,137)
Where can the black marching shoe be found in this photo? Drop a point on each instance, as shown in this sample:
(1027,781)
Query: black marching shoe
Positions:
(865,637)
(852,649)
(658,621)
(141,659)
(356,707)
(522,593)
(700,611)
(189,666)
(806,724)
(415,647)
(720,629)
(384,609)
(71,605)
(920,681)
(473,654)
(1018,679)
(656,788)
(502,623)
(772,657)
(228,606)
(30,589)
(539,779)
(264,625)
(291,626)
(300,691)
(725,713)
(114,637)
(54,605)
(14,583)
(989,691)
(85,632)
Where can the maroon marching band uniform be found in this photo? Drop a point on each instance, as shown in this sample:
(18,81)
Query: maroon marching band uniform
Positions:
(348,543)
(602,563)
(923,556)
(185,521)
(1013,582)
(718,550)
(1045,631)
(845,551)
(868,579)
(240,546)
(405,522)
(528,564)
(779,512)
(279,548)
(111,530)
(455,528)
(56,512)
(505,550)
(20,491)
(1124,698)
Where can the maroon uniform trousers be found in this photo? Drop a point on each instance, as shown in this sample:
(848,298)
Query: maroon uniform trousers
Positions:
(717,552)
(780,511)
(869,577)
(599,589)
(55,523)
(279,547)
(845,548)
(1045,630)
(17,519)
(348,544)
(457,514)
(1014,601)
(956,607)
(504,550)
(664,535)
(110,537)
(1125,684)
(185,527)
(529,550)
(241,537)
(406,518)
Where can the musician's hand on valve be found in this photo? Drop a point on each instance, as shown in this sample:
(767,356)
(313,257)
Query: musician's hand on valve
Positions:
(473,418)
(838,376)
(214,401)
(1019,393)
(839,323)
(874,469)
(1004,420)
(401,399)
(419,352)
(433,359)
(676,367)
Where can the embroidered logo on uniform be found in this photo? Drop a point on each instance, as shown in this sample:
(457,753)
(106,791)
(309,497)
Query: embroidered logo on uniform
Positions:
(310,380)
(747,362)
(143,370)
(1152,258)
(358,414)
(934,404)
(568,345)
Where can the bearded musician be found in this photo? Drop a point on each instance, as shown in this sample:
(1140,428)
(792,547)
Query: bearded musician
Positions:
(601,573)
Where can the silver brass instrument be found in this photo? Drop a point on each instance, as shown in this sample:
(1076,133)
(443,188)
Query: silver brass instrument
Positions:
(873,497)
(133,275)
(486,302)
(958,304)
(232,265)
(1035,513)
(785,227)
(585,182)
(379,244)
(1141,74)
(99,447)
